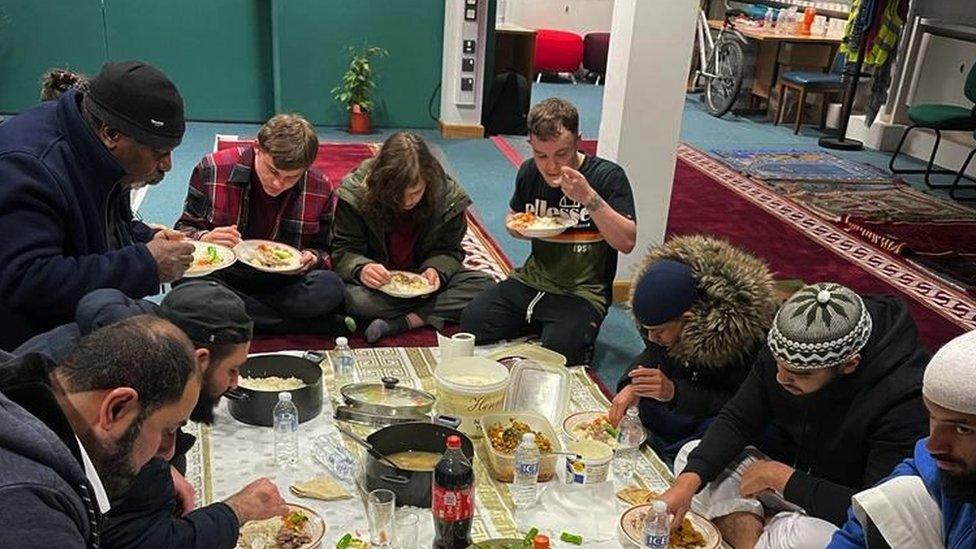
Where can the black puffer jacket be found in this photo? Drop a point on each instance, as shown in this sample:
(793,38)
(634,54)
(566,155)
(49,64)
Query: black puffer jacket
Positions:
(841,439)
(718,345)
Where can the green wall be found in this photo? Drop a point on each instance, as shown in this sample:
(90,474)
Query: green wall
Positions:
(36,35)
(314,34)
(218,52)
(225,55)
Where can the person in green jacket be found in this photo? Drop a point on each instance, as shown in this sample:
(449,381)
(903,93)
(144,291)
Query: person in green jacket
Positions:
(400,211)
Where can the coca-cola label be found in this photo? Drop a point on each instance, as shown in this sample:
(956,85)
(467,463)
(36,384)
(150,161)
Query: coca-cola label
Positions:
(452,505)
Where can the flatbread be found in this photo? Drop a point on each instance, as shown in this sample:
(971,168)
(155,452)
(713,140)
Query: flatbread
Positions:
(323,488)
(636,495)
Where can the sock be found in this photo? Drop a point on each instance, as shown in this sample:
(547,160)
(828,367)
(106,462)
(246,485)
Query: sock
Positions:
(383,327)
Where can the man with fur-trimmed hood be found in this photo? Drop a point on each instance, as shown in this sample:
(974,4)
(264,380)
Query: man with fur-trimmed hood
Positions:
(704,308)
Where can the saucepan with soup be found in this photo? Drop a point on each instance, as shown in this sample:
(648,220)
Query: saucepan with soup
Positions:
(415,448)
(263,377)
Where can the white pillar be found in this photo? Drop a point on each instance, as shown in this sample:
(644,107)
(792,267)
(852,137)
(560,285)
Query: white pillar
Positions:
(461,109)
(643,102)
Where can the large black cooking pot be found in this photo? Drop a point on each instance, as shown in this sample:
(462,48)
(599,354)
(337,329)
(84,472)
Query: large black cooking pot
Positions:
(257,407)
(411,487)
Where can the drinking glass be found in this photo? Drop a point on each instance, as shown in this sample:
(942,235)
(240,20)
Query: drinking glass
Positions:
(380,507)
(406,530)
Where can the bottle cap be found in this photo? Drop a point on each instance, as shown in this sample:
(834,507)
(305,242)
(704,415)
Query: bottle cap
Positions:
(659,506)
(528,438)
(453,442)
(541,541)
(284,395)
(632,411)
(341,341)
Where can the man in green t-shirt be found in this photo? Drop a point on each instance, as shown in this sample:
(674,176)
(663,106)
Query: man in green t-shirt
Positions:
(563,290)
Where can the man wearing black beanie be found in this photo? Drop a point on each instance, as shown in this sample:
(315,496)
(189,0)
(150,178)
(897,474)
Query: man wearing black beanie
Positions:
(67,167)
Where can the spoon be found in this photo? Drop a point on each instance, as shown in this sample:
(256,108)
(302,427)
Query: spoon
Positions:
(369,447)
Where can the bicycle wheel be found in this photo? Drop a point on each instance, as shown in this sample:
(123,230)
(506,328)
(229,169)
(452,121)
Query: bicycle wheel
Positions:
(722,90)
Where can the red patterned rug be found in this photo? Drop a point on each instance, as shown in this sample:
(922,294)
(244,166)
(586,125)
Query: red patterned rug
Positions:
(797,242)
(938,233)
(336,160)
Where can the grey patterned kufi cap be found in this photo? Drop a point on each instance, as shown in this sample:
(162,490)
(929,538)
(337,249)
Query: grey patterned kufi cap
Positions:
(823,325)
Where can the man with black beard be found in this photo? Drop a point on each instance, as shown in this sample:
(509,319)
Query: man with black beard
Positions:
(158,510)
(73,435)
(930,499)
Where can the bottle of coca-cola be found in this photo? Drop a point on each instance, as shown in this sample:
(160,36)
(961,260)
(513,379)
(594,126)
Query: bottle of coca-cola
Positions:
(453,498)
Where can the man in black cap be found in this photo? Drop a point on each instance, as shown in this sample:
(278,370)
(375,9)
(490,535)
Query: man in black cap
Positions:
(67,167)
(158,509)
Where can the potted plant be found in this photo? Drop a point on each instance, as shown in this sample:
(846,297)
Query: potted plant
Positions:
(356,86)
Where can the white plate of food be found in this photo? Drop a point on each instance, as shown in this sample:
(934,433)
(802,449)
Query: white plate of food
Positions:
(406,285)
(696,532)
(303,528)
(209,257)
(268,256)
(592,425)
(534,226)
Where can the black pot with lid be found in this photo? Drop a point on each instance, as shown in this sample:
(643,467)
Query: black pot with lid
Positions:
(385,403)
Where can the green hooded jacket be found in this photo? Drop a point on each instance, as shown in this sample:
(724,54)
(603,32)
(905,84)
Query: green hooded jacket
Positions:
(358,241)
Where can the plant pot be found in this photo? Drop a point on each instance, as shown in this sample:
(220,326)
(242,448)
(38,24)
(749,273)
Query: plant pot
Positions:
(359,123)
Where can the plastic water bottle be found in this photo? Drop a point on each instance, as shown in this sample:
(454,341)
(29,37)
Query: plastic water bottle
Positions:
(285,431)
(334,456)
(527,457)
(768,20)
(345,362)
(781,21)
(657,526)
(628,444)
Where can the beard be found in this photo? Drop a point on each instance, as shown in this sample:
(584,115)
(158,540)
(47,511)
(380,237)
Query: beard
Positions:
(961,487)
(203,412)
(114,465)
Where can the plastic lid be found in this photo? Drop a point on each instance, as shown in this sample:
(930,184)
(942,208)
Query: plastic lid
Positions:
(540,388)
(453,442)
(659,506)
(528,438)
(341,341)
(284,395)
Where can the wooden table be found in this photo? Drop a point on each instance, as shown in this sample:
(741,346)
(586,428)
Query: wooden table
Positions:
(515,49)
(774,52)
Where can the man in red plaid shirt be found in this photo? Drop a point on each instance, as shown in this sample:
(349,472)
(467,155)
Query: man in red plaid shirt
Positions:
(270,191)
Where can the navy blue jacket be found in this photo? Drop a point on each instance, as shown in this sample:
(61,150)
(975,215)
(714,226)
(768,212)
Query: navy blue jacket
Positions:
(45,498)
(144,517)
(66,224)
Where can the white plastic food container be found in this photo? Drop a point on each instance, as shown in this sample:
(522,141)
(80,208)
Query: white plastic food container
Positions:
(594,465)
(469,387)
(502,465)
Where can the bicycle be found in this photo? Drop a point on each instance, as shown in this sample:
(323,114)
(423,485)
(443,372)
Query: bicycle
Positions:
(720,61)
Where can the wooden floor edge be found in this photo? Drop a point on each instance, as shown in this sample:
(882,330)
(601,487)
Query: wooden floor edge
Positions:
(461,131)
(621,291)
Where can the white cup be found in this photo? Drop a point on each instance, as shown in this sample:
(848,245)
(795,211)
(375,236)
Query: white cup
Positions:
(459,344)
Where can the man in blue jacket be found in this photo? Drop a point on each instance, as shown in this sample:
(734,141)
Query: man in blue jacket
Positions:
(929,499)
(66,169)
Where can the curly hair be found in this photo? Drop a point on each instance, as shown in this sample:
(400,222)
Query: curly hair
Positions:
(549,116)
(403,160)
(54,82)
(290,140)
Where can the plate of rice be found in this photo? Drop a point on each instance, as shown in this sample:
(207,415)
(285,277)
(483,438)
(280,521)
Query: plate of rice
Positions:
(302,528)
